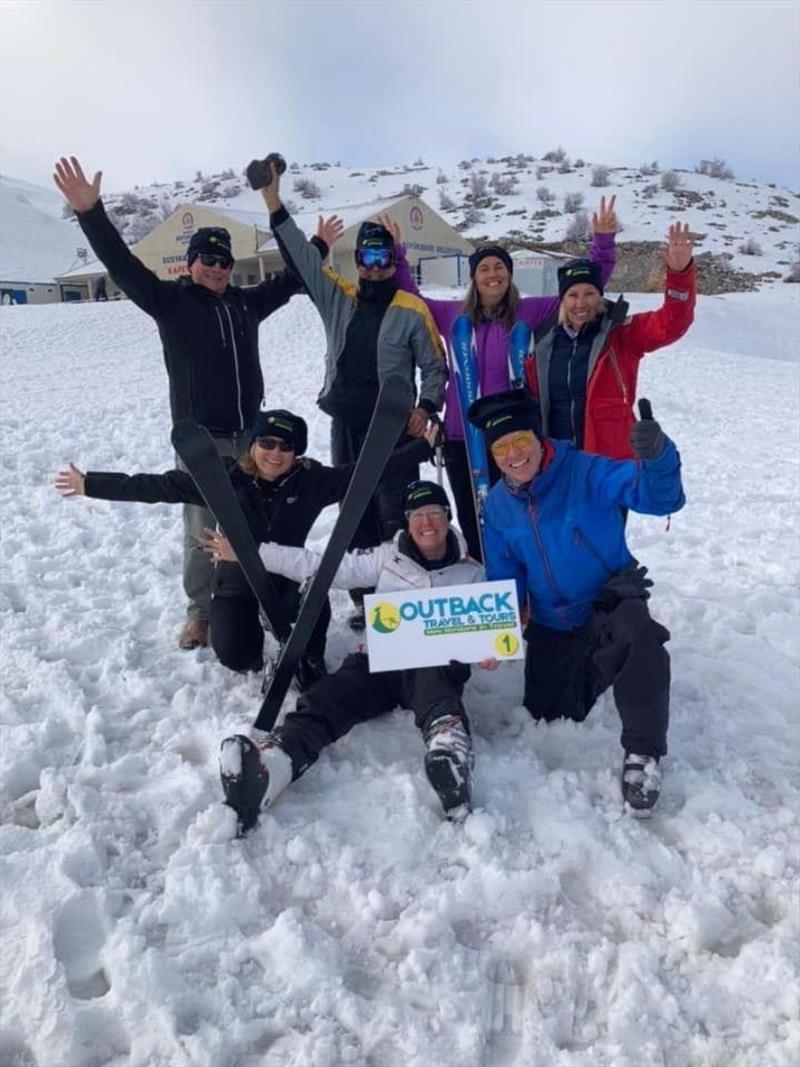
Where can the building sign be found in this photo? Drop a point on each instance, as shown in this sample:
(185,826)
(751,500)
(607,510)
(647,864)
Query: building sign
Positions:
(429,627)
(415,217)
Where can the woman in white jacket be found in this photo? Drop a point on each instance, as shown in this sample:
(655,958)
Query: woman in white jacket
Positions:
(428,552)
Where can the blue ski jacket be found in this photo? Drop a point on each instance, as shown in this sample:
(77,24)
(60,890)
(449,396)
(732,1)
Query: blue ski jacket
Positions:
(563,536)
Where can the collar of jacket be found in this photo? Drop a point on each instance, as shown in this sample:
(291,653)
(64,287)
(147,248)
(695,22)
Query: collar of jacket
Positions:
(374,292)
(186,282)
(554,454)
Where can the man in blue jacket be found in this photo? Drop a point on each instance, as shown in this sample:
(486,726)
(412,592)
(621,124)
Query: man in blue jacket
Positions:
(555,523)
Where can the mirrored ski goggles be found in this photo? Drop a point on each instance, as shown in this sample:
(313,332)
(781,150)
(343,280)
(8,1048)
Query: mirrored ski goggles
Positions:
(374,257)
(269,444)
(521,439)
(209,260)
(434,511)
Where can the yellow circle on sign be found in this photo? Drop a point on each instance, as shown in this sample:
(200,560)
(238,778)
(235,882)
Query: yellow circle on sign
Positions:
(385,618)
(506,643)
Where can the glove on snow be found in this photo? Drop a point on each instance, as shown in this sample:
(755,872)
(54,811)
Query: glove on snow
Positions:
(646,436)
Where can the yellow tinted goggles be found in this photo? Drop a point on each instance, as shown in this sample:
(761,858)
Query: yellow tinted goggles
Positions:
(521,439)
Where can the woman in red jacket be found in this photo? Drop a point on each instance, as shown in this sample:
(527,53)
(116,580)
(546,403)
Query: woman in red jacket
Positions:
(584,370)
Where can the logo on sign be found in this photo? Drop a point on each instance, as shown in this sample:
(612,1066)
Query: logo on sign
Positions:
(415,218)
(385,618)
(187,220)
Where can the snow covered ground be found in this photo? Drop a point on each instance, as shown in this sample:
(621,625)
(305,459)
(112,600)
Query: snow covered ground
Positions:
(355,927)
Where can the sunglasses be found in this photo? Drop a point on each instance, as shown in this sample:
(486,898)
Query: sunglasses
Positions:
(435,511)
(209,260)
(522,439)
(374,257)
(269,444)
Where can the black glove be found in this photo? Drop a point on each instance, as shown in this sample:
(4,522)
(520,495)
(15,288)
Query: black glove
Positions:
(646,436)
(629,584)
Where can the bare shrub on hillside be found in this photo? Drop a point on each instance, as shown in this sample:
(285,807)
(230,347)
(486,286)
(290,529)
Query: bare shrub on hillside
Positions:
(600,175)
(441,178)
(580,162)
(544,195)
(472,216)
(412,189)
(573,202)
(714,168)
(670,181)
(294,167)
(579,227)
(647,170)
(794,270)
(446,203)
(751,247)
(419,162)
(503,184)
(564,166)
(555,155)
(230,191)
(465,164)
(308,189)
(478,187)
(650,190)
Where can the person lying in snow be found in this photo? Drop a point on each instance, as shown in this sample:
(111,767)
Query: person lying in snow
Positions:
(282,492)
(554,523)
(427,552)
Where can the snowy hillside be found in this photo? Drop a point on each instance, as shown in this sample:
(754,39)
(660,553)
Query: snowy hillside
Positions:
(521,200)
(355,927)
(36,244)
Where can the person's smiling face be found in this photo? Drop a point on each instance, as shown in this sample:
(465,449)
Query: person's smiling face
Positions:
(518,454)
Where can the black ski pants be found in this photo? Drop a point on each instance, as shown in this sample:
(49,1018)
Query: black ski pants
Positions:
(340,701)
(566,671)
(235,629)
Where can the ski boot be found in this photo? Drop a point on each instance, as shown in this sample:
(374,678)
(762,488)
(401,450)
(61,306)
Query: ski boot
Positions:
(448,765)
(310,670)
(641,784)
(253,773)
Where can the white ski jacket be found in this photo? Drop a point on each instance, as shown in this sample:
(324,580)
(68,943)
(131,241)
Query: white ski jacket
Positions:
(386,567)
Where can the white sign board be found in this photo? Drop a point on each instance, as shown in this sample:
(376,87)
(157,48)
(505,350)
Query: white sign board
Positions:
(429,627)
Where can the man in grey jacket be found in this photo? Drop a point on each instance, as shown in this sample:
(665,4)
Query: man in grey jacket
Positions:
(373,330)
(427,553)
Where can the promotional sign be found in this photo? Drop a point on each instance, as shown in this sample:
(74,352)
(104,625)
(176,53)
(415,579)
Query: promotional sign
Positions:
(429,627)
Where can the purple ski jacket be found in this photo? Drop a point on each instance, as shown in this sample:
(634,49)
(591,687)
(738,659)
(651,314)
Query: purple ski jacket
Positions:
(491,338)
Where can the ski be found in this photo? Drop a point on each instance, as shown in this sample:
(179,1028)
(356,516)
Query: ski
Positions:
(519,342)
(195,445)
(465,365)
(388,419)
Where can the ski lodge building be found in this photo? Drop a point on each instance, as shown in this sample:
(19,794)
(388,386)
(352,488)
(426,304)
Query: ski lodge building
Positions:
(435,249)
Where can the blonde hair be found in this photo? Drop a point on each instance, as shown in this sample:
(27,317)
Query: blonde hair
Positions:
(246,463)
(508,305)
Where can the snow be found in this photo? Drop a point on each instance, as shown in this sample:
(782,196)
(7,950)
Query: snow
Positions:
(36,244)
(355,926)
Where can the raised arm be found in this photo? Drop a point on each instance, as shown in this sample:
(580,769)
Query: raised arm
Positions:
(130,274)
(274,292)
(172,487)
(357,570)
(650,330)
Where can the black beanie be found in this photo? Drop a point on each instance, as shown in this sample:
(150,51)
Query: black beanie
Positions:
(285,425)
(213,240)
(579,272)
(503,413)
(490,250)
(421,493)
(373,235)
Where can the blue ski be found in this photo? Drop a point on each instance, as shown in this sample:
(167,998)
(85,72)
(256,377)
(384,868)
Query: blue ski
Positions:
(519,342)
(465,365)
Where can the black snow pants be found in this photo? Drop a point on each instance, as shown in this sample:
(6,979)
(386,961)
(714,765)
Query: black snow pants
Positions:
(623,647)
(338,702)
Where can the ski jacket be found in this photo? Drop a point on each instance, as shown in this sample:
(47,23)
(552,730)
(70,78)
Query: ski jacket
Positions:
(491,338)
(282,511)
(613,363)
(210,342)
(407,337)
(387,567)
(563,536)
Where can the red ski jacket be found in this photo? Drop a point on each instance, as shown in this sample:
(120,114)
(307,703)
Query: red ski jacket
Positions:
(614,363)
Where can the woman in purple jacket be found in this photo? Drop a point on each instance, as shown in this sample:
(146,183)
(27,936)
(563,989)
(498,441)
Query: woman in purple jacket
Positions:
(494,304)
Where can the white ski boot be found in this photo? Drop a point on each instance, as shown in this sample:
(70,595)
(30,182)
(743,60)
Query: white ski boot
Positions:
(253,774)
(448,765)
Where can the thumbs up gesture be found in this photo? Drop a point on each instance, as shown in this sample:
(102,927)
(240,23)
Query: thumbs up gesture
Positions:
(646,436)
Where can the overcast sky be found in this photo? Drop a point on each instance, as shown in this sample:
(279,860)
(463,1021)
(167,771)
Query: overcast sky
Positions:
(155,90)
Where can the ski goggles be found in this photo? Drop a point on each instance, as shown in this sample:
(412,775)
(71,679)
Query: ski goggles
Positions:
(434,511)
(521,439)
(209,260)
(374,257)
(269,444)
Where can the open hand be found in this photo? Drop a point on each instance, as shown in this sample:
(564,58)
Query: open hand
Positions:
(604,220)
(392,227)
(217,545)
(71,482)
(680,247)
(72,184)
(330,230)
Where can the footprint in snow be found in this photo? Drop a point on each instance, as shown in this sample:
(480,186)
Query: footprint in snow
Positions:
(78,938)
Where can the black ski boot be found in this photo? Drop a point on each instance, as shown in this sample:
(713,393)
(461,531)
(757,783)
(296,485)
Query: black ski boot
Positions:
(253,774)
(448,765)
(641,784)
(309,671)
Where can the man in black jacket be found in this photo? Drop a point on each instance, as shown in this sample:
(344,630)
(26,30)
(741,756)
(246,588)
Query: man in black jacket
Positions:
(209,332)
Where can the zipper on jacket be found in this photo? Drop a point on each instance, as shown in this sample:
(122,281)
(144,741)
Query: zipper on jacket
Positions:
(612,356)
(236,368)
(569,390)
(580,538)
(221,327)
(560,598)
